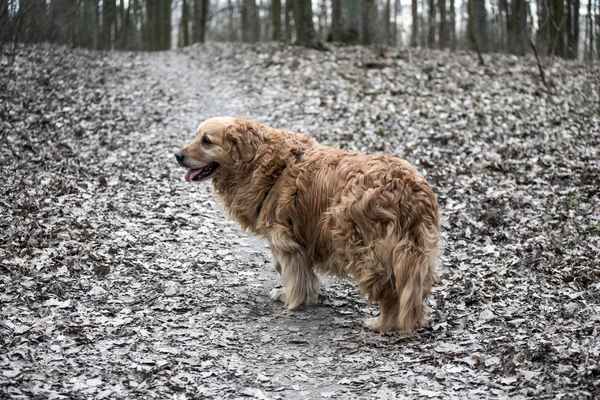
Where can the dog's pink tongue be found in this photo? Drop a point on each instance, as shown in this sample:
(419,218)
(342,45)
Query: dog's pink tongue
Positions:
(191,174)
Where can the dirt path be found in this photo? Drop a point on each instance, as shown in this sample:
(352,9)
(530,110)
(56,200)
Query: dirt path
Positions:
(120,280)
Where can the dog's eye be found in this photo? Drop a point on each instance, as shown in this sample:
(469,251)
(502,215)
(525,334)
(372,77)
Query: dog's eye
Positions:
(206,140)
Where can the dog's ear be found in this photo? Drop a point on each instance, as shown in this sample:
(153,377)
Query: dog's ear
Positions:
(242,137)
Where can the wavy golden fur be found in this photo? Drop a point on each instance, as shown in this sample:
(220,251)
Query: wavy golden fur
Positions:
(370,217)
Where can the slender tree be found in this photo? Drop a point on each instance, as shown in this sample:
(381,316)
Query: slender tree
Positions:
(165,23)
(589,54)
(395,38)
(414,37)
(423,23)
(303,21)
(157,26)
(477,25)
(557,30)
(543,32)
(184,29)
(250,22)
(109,10)
(572,28)
(323,21)
(452,27)
(516,23)
(387,22)
(289,9)
(4,22)
(90,24)
(199,16)
(276,19)
(62,22)
(335,33)
(351,17)
(431,24)
(134,41)
(370,22)
(120,26)
(230,23)
(443,24)
(505,21)
(126,28)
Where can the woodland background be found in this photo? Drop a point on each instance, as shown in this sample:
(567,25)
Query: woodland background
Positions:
(566,28)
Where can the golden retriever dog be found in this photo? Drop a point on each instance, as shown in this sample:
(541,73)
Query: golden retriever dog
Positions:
(373,218)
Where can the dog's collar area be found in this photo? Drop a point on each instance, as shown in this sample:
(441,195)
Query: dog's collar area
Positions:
(278,174)
(298,156)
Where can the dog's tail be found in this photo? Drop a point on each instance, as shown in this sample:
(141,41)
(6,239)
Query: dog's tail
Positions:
(415,262)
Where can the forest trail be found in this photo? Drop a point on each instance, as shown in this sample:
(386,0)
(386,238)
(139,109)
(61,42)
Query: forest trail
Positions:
(120,280)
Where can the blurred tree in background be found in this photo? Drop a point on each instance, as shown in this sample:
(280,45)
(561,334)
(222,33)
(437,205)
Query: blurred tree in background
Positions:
(565,28)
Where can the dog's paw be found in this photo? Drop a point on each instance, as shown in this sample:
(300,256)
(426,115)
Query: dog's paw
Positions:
(278,294)
(373,324)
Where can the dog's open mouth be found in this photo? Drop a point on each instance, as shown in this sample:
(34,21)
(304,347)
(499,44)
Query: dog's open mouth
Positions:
(200,174)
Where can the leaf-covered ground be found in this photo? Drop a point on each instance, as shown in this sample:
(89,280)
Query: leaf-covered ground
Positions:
(119,280)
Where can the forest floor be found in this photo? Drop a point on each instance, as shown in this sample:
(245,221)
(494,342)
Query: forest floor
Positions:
(119,280)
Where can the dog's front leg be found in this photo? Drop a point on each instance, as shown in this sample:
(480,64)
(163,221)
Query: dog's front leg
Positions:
(300,283)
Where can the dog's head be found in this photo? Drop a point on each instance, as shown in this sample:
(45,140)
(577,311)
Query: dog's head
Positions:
(221,144)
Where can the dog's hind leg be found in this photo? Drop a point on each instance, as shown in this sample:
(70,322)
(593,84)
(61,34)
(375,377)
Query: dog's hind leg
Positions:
(387,321)
(415,272)
(300,283)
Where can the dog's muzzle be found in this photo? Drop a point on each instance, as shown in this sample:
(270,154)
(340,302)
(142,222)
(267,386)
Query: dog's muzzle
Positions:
(180,157)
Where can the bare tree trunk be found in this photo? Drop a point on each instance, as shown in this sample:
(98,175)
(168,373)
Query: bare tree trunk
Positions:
(537,59)
(230,24)
(109,9)
(250,22)
(90,24)
(196,19)
(289,9)
(414,37)
(165,15)
(452,25)
(134,41)
(4,22)
(276,18)
(517,27)
(387,22)
(557,40)
(204,7)
(542,34)
(590,33)
(335,33)
(504,24)
(572,28)
(157,27)
(184,32)
(125,26)
(477,25)
(395,39)
(322,21)
(370,22)
(303,20)
(431,25)
(443,24)
(120,26)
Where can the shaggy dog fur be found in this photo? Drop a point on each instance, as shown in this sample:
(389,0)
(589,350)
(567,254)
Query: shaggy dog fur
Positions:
(370,217)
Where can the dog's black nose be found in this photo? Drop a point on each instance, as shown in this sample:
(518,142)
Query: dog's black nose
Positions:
(179,156)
